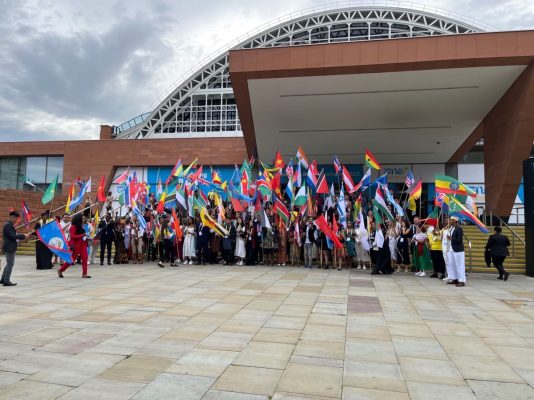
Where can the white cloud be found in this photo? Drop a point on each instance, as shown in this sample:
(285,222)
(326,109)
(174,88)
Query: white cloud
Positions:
(66,67)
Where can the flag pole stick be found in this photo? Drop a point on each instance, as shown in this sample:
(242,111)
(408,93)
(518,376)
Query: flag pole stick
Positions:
(72,215)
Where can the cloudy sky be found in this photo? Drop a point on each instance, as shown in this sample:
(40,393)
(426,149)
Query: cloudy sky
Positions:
(68,66)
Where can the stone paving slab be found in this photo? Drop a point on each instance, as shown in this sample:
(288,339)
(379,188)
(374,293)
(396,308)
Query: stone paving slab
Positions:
(259,333)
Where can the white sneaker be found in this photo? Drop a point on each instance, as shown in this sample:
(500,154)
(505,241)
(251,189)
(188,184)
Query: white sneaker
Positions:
(445,279)
(186,262)
(422,273)
(190,262)
(364,267)
(417,273)
(359,267)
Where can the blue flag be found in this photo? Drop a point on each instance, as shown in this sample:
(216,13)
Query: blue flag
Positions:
(54,238)
(139,216)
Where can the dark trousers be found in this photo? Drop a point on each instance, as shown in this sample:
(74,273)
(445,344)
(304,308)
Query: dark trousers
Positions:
(498,262)
(228,256)
(10,261)
(105,244)
(160,250)
(437,261)
(203,252)
(170,250)
(250,254)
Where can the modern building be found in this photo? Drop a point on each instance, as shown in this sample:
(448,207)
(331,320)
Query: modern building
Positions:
(425,90)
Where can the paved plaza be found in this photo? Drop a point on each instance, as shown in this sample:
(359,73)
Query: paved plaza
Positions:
(252,333)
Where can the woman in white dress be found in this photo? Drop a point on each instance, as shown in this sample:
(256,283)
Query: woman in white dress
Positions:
(392,236)
(189,242)
(362,247)
(240,250)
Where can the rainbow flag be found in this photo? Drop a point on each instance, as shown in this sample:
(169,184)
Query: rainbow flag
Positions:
(447,185)
(457,209)
(371,161)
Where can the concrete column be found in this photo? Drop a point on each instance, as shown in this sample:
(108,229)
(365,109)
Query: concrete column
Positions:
(528,187)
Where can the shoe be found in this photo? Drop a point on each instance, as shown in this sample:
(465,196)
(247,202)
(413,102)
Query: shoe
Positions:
(506,275)
(185,262)
(500,277)
(442,277)
(1,282)
(434,275)
(191,262)
(109,263)
(422,273)
(174,264)
(417,273)
(101,263)
(283,264)
(359,267)
(160,264)
(454,282)
(9,284)
(59,274)
(460,284)
(339,269)
(445,278)
(86,276)
(364,267)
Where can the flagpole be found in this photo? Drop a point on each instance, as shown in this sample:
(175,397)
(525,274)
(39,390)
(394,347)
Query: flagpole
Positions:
(72,215)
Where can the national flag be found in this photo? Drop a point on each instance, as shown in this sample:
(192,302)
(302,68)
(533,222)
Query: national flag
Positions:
(289,191)
(122,177)
(180,198)
(76,201)
(236,176)
(301,156)
(96,222)
(264,221)
(347,179)
(432,218)
(376,214)
(124,194)
(69,198)
(54,238)
(160,208)
(342,208)
(50,191)
(281,209)
(300,197)
(337,164)
(416,190)
(159,189)
(371,161)
(208,221)
(215,177)
(357,206)
(446,184)
(289,170)
(381,204)
(311,177)
(297,178)
(244,182)
(456,208)
(312,210)
(322,186)
(176,224)
(236,204)
(391,200)
(364,182)
(28,181)
(139,215)
(88,185)
(263,186)
(275,183)
(186,171)
(410,179)
(411,204)
(381,180)
(177,171)
(335,227)
(471,205)
(322,225)
(100,193)
(278,161)
(193,178)
(190,204)
(26,214)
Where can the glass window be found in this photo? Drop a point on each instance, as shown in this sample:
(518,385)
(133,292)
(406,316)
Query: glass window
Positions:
(11,171)
(36,169)
(54,168)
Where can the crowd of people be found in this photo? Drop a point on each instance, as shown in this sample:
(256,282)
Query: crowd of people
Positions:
(423,247)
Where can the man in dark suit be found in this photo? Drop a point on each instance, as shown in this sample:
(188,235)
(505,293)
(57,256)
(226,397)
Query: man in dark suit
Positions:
(497,247)
(457,256)
(107,237)
(203,244)
(9,247)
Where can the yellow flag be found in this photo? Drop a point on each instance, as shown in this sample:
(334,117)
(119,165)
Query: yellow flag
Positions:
(411,204)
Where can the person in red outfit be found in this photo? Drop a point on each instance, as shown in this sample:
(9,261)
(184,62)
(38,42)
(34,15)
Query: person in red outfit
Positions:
(78,245)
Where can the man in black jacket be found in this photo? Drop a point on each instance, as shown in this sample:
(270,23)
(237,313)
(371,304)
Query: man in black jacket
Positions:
(107,237)
(203,244)
(457,256)
(497,247)
(9,247)
(309,240)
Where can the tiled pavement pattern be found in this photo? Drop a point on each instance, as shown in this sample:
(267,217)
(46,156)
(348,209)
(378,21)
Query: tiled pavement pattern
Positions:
(252,333)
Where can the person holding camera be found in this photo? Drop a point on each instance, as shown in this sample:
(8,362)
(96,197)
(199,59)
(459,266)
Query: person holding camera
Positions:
(78,245)
(9,247)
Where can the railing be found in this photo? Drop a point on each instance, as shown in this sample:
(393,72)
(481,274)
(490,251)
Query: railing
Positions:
(515,236)
(470,247)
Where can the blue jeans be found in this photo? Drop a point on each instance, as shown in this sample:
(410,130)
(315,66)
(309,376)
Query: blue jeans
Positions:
(10,261)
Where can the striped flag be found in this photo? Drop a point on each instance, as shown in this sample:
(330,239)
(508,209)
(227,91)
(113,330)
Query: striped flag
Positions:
(347,179)
(337,165)
(302,158)
(410,179)
(281,208)
(26,214)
